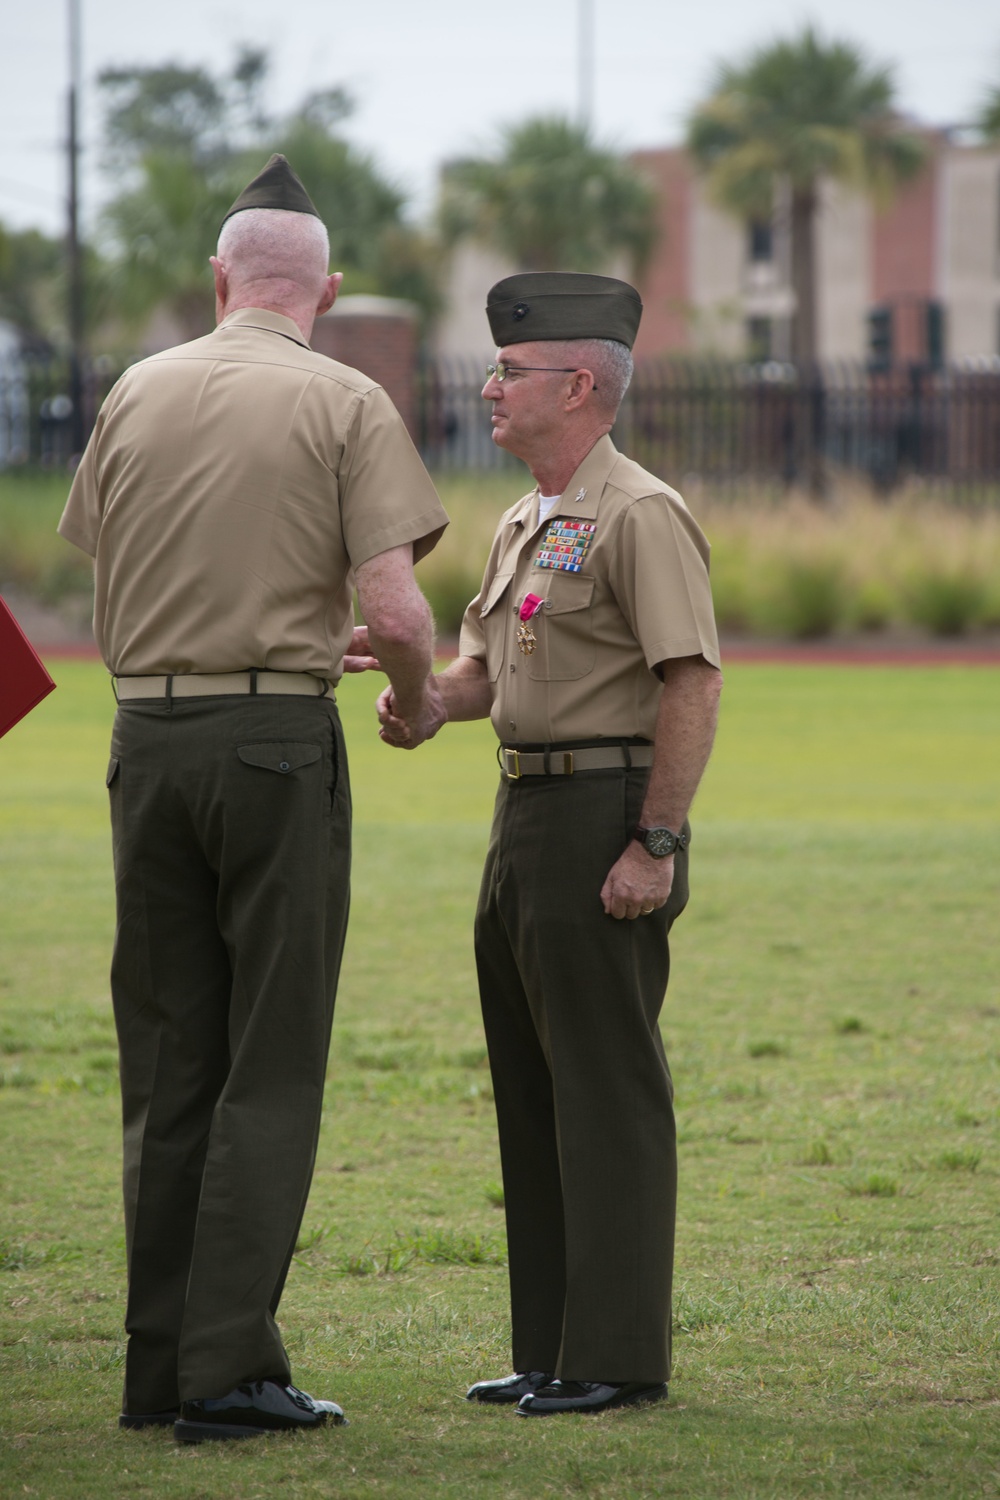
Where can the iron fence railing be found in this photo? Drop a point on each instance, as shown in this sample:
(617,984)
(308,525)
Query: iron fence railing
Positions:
(771,422)
(36,406)
(715,420)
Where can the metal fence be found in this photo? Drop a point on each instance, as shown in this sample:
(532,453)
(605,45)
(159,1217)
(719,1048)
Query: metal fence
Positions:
(718,421)
(36,406)
(724,421)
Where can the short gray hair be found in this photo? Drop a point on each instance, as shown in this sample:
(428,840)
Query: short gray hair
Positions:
(265,244)
(613,370)
(610,363)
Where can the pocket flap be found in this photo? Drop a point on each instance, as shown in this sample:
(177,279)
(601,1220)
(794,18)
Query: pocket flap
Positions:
(113,765)
(495,593)
(279,755)
(567,592)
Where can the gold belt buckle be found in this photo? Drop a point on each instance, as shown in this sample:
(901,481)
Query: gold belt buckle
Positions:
(567,762)
(512,758)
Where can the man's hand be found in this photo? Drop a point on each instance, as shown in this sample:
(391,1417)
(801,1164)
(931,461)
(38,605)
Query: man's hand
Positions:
(637,884)
(405,731)
(685,726)
(357,657)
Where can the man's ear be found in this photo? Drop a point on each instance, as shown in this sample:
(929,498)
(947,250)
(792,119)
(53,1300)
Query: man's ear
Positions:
(330,291)
(580,388)
(221,276)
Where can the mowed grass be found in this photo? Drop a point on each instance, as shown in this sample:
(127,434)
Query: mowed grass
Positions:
(833,1024)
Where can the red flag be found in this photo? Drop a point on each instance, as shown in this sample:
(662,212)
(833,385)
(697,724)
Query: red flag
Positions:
(24,681)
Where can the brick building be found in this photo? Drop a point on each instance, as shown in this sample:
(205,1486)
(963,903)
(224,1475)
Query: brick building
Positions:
(916,281)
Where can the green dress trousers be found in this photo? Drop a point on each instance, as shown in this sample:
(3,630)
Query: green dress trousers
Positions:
(231,823)
(571,999)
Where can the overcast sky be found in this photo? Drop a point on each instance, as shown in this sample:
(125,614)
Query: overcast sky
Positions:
(435,79)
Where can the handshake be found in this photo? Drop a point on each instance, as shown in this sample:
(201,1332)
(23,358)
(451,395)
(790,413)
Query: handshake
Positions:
(409,712)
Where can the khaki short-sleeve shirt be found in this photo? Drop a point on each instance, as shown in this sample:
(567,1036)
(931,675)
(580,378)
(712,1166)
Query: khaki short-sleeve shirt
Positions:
(621,569)
(229,490)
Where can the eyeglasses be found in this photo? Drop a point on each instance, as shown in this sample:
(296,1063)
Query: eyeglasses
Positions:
(501,371)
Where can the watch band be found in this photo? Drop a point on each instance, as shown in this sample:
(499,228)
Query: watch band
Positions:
(659,842)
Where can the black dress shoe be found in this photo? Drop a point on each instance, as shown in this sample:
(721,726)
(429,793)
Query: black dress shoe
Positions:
(135,1420)
(587,1396)
(509,1390)
(251,1410)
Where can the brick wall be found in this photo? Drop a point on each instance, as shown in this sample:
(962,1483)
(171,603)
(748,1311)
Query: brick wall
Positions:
(378,336)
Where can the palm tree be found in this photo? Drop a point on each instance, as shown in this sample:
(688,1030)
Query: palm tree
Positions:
(797,111)
(550,200)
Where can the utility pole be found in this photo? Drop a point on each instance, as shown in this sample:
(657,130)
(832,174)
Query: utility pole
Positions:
(585,63)
(74,255)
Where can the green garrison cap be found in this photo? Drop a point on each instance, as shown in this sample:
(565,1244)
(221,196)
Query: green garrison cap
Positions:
(562,305)
(275,187)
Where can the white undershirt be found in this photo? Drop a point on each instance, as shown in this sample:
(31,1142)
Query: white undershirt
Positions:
(546,504)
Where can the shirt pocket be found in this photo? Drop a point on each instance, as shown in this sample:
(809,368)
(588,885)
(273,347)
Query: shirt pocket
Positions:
(493,613)
(565,630)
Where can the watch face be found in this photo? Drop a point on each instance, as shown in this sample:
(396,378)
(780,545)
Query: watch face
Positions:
(659,842)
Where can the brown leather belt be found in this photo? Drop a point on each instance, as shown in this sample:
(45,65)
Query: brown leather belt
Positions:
(221,684)
(562,762)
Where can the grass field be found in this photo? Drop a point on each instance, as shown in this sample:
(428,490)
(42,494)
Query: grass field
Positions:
(833,1025)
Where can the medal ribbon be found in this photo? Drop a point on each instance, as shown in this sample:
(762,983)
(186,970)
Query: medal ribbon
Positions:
(530,605)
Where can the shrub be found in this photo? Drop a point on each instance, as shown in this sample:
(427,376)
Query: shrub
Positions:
(947,601)
(804,599)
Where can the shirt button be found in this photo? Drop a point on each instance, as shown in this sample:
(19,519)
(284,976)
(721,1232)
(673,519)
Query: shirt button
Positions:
(512,666)
(512,724)
(283,765)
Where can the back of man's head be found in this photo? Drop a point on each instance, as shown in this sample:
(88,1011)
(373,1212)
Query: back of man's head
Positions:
(274,258)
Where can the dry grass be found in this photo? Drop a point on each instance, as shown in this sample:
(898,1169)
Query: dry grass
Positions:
(781,564)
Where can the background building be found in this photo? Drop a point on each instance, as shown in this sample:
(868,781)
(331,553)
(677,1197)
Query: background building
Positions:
(915,281)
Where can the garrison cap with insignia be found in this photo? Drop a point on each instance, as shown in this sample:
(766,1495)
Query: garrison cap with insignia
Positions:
(562,305)
(276,186)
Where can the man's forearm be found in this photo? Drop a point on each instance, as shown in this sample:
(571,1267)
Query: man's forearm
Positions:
(685,731)
(407,660)
(465,689)
(400,624)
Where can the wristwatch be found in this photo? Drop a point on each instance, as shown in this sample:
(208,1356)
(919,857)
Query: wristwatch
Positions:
(659,842)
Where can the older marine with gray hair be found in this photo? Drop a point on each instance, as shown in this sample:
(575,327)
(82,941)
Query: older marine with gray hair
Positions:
(592,645)
(234,492)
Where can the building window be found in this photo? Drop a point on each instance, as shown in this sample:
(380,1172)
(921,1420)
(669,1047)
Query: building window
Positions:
(880,338)
(759,339)
(934,315)
(760,241)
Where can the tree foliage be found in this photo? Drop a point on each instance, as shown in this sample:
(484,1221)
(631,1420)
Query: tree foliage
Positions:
(550,199)
(988,118)
(798,111)
(801,109)
(185,141)
(30,281)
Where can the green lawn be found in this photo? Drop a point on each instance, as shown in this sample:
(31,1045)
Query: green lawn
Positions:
(834,1029)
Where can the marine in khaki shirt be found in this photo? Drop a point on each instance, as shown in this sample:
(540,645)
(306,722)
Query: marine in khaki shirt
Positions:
(621,570)
(209,555)
(233,493)
(592,645)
